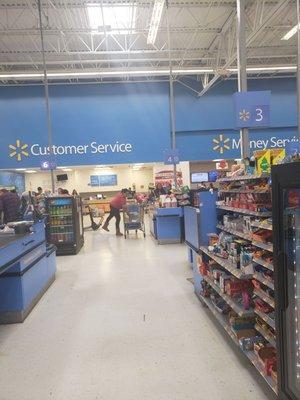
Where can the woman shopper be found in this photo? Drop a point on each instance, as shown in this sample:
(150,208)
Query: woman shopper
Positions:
(116,205)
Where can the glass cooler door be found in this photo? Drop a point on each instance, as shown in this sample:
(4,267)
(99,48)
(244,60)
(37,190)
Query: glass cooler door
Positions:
(290,311)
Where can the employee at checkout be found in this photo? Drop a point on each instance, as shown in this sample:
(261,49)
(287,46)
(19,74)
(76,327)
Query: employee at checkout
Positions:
(9,206)
(116,205)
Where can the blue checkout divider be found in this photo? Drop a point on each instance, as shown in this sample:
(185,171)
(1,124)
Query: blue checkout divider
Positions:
(167,225)
(198,223)
(27,275)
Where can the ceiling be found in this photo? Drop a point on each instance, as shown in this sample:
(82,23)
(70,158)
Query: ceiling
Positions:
(202,41)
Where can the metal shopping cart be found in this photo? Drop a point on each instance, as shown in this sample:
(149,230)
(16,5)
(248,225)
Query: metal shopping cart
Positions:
(133,218)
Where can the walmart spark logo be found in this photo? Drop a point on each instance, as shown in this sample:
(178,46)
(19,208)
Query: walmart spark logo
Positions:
(18,150)
(221,143)
(244,115)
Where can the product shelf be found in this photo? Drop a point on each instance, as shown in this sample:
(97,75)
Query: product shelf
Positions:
(262,225)
(249,354)
(263,191)
(270,338)
(239,309)
(244,178)
(263,263)
(230,267)
(259,277)
(234,232)
(267,299)
(60,215)
(264,246)
(60,226)
(266,318)
(245,211)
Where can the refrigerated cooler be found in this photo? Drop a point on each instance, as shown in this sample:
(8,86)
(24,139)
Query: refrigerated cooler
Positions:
(65,224)
(286,222)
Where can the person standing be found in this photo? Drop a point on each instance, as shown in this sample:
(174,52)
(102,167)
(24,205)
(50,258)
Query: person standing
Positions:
(116,205)
(9,205)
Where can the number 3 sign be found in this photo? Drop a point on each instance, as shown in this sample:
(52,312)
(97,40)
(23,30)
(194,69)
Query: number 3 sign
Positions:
(252,109)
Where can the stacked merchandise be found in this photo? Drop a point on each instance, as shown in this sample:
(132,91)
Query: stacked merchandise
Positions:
(237,270)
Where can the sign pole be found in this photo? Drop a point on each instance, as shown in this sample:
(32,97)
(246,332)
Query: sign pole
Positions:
(242,72)
(49,125)
(171,98)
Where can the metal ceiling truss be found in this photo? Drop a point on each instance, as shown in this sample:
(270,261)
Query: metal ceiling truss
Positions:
(202,33)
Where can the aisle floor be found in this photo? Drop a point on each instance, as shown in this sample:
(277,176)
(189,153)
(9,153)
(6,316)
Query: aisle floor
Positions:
(121,322)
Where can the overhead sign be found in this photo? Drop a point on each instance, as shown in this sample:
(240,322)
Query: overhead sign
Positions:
(252,109)
(48,165)
(171,156)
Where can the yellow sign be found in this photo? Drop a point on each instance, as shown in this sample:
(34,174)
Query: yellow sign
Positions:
(263,161)
(18,150)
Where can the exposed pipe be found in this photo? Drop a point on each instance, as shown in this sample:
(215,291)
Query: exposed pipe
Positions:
(48,114)
(171,97)
(242,71)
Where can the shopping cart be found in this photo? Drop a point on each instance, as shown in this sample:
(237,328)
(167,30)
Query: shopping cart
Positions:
(133,218)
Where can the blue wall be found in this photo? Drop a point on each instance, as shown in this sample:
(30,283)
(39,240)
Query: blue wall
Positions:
(135,116)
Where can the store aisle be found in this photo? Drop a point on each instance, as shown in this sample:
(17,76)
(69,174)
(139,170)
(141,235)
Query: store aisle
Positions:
(121,322)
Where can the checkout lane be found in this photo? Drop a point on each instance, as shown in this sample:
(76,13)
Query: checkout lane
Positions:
(27,269)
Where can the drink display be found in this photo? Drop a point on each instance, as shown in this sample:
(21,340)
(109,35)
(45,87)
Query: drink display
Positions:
(65,224)
(61,221)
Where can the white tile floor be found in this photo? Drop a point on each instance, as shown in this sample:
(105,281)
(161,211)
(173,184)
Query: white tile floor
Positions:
(121,322)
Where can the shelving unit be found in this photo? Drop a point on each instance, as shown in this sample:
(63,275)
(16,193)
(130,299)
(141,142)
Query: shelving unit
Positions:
(244,178)
(263,263)
(270,338)
(238,195)
(268,320)
(245,211)
(221,319)
(230,267)
(243,191)
(238,308)
(267,299)
(262,225)
(264,246)
(234,232)
(259,277)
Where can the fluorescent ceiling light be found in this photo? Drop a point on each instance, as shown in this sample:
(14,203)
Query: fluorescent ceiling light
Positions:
(20,169)
(66,169)
(120,19)
(155,20)
(137,72)
(218,159)
(30,171)
(290,33)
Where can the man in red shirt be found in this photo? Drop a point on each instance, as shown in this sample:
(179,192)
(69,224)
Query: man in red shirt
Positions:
(116,205)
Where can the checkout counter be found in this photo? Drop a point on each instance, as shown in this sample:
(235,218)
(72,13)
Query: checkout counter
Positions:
(27,269)
(166,224)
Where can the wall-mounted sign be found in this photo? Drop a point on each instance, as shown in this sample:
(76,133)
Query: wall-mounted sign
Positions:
(103,180)
(171,156)
(252,109)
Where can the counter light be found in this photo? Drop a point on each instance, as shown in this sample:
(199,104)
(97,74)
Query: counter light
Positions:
(30,171)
